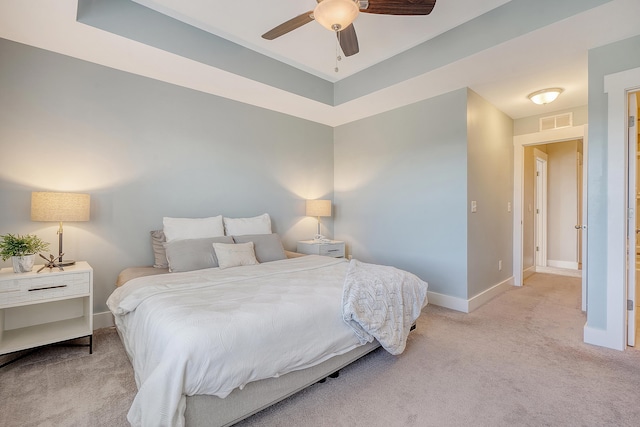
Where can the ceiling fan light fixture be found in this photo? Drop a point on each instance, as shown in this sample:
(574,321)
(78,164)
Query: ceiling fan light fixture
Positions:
(545,96)
(336,15)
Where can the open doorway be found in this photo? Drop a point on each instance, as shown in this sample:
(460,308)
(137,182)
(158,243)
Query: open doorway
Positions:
(523,220)
(555,187)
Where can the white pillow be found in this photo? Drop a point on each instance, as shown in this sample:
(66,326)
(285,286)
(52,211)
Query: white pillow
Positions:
(234,255)
(192,228)
(260,224)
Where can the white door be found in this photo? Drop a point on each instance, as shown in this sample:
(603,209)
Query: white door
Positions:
(632,226)
(583,217)
(541,209)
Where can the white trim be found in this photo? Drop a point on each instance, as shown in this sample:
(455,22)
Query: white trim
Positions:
(467,306)
(519,142)
(102,320)
(559,271)
(484,297)
(528,272)
(447,301)
(571,265)
(601,337)
(614,336)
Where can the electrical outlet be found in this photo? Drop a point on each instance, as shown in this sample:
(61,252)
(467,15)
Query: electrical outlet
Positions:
(474,206)
(500,265)
(508,206)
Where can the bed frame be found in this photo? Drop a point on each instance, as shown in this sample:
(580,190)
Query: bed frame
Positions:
(204,410)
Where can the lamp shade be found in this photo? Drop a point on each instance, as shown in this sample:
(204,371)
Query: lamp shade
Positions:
(318,207)
(49,206)
(336,15)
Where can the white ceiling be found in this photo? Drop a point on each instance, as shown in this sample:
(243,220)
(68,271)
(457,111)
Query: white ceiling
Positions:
(312,48)
(555,55)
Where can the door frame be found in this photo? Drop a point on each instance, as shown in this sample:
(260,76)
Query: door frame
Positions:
(613,334)
(632,202)
(537,138)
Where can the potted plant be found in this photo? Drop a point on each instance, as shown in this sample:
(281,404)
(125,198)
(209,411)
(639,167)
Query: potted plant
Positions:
(22,250)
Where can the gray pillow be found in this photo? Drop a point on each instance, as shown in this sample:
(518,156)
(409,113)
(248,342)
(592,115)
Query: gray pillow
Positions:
(159,254)
(268,247)
(193,254)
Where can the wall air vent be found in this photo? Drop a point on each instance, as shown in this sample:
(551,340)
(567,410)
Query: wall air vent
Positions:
(556,122)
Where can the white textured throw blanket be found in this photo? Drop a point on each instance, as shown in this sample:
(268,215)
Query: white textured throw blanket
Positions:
(383,303)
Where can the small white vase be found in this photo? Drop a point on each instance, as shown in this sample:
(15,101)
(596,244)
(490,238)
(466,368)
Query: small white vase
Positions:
(23,264)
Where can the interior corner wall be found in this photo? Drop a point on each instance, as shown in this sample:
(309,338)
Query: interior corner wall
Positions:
(400,190)
(144,149)
(615,57)
(490,185)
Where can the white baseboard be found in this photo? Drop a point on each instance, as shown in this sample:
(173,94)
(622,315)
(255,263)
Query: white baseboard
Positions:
(467,306)
(447,301)
(102,320)
(527,272)
(485,296)
(571,265)
(560,271)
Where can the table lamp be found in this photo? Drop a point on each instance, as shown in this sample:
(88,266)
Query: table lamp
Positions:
(60,207)
(319,208)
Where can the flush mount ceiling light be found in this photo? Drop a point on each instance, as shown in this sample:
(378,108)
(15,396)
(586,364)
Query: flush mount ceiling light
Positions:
(336,15)
(545,96)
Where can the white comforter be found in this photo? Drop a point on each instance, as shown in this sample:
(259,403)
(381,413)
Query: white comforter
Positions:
(211,331)
(382,302)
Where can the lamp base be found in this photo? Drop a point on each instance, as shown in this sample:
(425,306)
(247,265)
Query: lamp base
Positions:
(66,263)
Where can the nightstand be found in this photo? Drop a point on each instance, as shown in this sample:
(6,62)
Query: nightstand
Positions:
(37,309)
(332,248)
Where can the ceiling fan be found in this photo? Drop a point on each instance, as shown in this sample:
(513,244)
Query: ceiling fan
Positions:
(338,16)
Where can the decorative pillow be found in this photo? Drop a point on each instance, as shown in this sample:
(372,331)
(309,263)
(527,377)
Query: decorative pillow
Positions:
(240,226)
(192,228)
(235,255)
(159,254)
(193,254)
(268,247)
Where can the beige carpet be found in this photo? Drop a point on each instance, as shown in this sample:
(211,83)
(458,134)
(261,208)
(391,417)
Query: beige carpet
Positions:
(517,361)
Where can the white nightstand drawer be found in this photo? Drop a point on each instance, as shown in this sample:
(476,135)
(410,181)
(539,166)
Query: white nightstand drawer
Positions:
(335,250)
(33,289)
(332,248)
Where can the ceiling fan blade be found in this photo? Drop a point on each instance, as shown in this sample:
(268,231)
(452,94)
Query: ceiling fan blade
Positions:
(348,41)
(400,7)
(290,25)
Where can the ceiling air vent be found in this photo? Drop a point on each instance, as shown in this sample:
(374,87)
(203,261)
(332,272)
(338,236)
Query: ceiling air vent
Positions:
(556,122)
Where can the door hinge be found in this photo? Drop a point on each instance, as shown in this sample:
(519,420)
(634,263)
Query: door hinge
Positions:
(632,121)
(537,248)
(537,173)
(629,305)
(537,211)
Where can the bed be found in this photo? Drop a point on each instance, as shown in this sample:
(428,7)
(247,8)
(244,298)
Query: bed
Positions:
(215,345)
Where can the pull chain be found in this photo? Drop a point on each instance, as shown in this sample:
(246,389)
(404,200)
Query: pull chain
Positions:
(338,57)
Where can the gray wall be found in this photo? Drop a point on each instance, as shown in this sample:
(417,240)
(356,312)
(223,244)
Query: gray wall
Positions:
(403,185)
(531,124)
(562,197)
(612,58)
(490,184)
(401,190)
(145,149)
